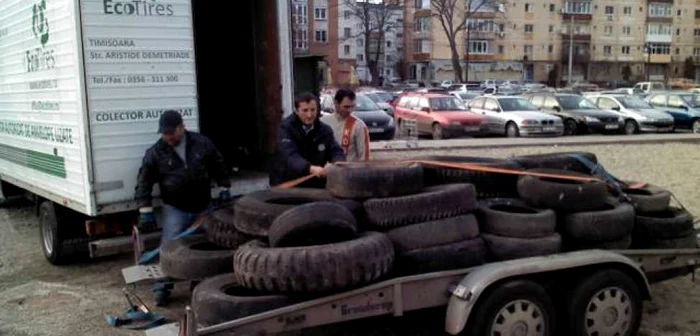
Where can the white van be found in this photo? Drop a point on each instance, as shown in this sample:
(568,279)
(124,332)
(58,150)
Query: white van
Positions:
(648,87)
(83,83)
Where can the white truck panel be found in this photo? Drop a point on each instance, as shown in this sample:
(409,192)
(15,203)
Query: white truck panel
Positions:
(42,142)
(139,62)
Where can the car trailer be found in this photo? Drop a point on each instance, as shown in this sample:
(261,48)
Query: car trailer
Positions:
(604,292)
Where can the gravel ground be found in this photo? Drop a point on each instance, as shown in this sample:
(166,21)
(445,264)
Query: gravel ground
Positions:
(39,299)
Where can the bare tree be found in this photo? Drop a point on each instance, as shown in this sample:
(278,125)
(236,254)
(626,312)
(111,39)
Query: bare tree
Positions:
(454,16)
(376,18)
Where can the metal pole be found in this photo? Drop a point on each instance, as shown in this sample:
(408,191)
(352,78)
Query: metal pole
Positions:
(571,50)
(648,65)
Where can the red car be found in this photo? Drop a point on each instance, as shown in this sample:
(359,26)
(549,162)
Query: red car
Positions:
(439,115)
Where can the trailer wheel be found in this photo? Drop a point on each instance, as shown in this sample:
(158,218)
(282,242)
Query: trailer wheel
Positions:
(61,243)
(519,307)
(605,303)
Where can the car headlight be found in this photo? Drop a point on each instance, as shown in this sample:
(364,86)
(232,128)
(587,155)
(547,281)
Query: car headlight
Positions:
(530,122)
(621,120)
(591,119)
(643,118)
(391,122)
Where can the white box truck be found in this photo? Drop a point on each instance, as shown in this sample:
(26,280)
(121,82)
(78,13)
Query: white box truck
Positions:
(83,83)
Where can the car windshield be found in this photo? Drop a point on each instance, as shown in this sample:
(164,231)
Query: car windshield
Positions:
(375,98)
(384,96)
(632,102)
(363,103)
(516,104)
(446,104)
(575,103)
(693,100)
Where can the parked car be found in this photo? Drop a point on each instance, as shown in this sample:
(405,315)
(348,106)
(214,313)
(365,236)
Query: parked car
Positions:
(439,115)
(579,114)
(465,87)
(463,96)
(380,124)
(446,84)
(683,106)
(648,87)
(515,116)
(382,99)
(639,115)
(491,83)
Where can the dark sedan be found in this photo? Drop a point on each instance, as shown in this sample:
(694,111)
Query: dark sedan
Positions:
(579,114)
(379,122)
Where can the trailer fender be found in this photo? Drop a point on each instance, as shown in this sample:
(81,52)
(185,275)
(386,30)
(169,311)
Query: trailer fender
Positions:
(466,295)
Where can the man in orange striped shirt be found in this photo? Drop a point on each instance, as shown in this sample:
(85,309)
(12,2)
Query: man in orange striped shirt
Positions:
(350,132)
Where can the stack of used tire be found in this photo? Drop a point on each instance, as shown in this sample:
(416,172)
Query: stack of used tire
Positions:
(432,228)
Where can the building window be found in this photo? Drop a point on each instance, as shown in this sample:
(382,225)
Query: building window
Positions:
(627,11)
(388,58)
(360,43)
(320,14)
(301,38)
(346,49)
(625,50)
(485,26)
(608,30)
(528,7)
(346,15)
(626,30)
(696,51)
(552,8)
(679,13)
(299,14)
(347,32)
(659,29)
(678,32)
(501,27)
(529,29)
(388,44)
(607,50)
(500,49)
(577,7)
(479,47)
(527,49)
(322,36)
(551,28)
(550,49)
(678,51)
(660,10)
(697,13)
(422,24)
(659,49)
(609,10)
(696,32)
(421,46)
(360,58)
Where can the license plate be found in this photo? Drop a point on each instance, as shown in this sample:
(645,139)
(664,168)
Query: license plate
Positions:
(549,129)
(472,128)
(376,130)
(612,126)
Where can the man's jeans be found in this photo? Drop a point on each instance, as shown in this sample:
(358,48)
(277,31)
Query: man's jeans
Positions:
(175,221)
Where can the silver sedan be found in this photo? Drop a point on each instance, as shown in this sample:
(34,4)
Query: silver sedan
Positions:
(515,116)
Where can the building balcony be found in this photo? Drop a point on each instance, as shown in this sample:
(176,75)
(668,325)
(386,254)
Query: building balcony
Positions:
(422,13)
(577,37)
(659,38)
(657,58)
(660,1)
(423,34)
(421,57)
(660,19)
(578,16)
(479,57)
(578,57)
(487,15)
(481,35)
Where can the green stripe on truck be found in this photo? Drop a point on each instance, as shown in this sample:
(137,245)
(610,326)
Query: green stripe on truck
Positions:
(45,163)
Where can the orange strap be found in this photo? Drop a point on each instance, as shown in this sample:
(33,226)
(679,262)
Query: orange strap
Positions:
(346,136)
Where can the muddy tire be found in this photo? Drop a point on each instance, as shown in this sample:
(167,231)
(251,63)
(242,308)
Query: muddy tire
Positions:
(488,185)
(63,237)
(311,224)
(320,268)
(462,254)
(359,180)
(650,198)
(671,223)
(194,258)
(434,233)
(430,204)
(222,298)
(560,194)
(255,212)
(561,161)
(513,218)
(613,222)
(505,248)
(572,244)
(221,230)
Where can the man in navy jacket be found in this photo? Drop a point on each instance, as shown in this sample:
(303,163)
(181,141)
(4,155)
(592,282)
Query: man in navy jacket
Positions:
(305,145)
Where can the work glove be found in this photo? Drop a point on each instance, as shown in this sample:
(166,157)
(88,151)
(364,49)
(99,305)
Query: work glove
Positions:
(224,196)
(147,219)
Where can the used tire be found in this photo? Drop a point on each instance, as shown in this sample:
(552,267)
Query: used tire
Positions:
(430,204)
(513,218)
(487,184)
(221,231)
(63,239)
(613,222)
(562,194)
(319,268)
(362,180)
(434,233)
(194,258)
(222,298)
(505,248)
(572,244)
(650,198)
(462,254)
(689,241)
(562,161)
(255,212)
(671,223)
(310,224)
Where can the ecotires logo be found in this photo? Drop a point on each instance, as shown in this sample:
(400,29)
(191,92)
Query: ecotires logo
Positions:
(40,23)
(137,8)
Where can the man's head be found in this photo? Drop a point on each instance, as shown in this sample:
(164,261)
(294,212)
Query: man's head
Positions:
(344,102)
(171,127)
(306,108)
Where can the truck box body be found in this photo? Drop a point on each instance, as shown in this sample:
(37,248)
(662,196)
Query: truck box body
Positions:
(83,83)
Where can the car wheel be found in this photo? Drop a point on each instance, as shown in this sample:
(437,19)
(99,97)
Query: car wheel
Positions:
(631,127)
(570,127)
(696,126)
(512,130)
(438,133)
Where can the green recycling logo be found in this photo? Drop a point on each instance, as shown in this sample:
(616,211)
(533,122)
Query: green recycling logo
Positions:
(40,23)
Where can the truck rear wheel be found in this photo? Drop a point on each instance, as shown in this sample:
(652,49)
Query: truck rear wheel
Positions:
(519,307)
(61,241)
(605,303)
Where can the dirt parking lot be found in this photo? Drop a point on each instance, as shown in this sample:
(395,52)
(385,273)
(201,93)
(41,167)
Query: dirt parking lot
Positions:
(39,299)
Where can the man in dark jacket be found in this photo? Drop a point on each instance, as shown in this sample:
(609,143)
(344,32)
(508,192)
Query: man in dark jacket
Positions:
(305,146)
(183,164)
